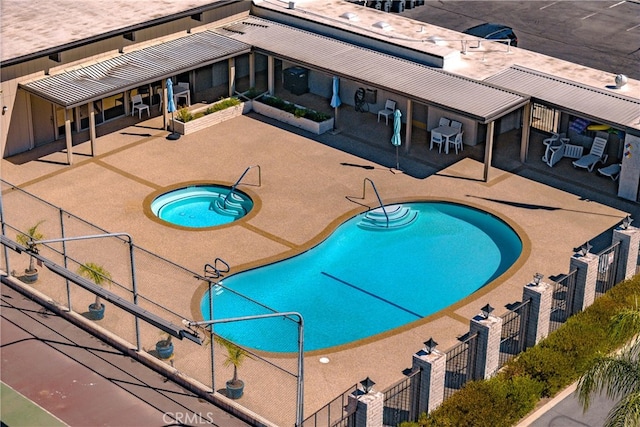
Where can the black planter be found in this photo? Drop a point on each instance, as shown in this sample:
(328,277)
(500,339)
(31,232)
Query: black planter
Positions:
(235,390)
(96,313)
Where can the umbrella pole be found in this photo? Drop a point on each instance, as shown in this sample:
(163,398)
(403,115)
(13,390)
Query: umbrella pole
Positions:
(397,159)
(173,135)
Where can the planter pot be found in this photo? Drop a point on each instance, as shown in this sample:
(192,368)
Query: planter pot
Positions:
(164,349)
(210,119)
(299,122)
(235,390)
(96,313)
(30,276)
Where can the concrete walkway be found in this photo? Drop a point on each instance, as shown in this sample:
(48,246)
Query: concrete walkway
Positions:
(303,196)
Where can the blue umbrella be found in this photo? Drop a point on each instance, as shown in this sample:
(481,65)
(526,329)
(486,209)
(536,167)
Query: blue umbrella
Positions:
(171,107)
(395,139)
(335,98)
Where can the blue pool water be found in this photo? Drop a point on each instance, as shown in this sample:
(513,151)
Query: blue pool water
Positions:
(200,206)
(361,282)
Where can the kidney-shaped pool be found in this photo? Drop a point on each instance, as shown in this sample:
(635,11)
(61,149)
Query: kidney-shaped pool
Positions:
(377,271)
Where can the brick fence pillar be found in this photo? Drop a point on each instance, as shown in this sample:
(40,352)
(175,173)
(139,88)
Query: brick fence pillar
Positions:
(629,239)
(586,279)
(369,408)
(488,345)
(541,296)
(433,368)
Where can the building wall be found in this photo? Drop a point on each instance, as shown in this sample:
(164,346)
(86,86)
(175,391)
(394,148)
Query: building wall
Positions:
(16,124)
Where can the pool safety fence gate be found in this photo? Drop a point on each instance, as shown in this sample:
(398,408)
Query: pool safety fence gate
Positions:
(153,285)
(562,300)
(337,413)
(460,364)
(544,118)
(607,268)
(514,329)
(401,400)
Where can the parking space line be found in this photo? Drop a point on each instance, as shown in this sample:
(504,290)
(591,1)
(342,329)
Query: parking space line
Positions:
(617,4)
(589,15)
(633,28)
(550,4)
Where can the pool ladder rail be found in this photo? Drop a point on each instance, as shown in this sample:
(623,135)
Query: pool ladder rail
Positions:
(389,217)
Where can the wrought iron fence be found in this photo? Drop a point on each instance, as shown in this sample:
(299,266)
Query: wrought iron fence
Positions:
(460,364)
(607,268)
(401,400)
(562,300)
(340,412)
(544,118)
(514,329)
(138,275)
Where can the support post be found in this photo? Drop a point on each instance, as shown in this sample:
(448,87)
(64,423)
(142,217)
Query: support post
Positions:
(629,239)
(433,367)
(489,332)
(540,296)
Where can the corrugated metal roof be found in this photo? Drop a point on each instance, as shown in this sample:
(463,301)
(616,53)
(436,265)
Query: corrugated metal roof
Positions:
(480,101)
(598,104)
(129,70)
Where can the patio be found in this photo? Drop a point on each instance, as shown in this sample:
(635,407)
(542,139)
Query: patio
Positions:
(299,208)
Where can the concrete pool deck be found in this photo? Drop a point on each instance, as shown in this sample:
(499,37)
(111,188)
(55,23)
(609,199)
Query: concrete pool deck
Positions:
(305,184)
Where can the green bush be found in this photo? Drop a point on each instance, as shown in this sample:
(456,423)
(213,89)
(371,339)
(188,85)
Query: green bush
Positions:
(184,115)
(541,371)
(223,105)
(289,107)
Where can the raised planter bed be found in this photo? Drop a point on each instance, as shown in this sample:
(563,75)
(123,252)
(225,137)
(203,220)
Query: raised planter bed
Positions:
(291,119)
(210,119)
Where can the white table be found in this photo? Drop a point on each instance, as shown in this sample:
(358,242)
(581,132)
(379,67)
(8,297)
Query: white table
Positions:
(447,133)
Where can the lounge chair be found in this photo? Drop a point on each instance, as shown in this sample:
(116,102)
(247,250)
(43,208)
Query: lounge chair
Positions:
(612,171)
(596,155)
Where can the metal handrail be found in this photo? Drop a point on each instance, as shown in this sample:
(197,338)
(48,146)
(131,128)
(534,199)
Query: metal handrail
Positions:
(364,192)
(233,187)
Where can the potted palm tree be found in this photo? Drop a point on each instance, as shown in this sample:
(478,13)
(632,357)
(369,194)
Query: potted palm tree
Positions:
(32,234)
(101,277)
(235,357)
(164,347)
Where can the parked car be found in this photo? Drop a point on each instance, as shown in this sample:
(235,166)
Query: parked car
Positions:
(493,32)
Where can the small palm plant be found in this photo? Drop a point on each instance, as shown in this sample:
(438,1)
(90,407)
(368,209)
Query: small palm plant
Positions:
(236,356)
(32,234)
(101,277)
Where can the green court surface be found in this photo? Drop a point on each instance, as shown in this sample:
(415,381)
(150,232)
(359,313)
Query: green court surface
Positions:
(18,411)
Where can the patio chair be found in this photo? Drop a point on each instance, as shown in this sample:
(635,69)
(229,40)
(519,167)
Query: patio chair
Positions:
(389,109)
(596,155)
(444,122)
(612,171)
(457,125)
(139,106)
(457,142)
(436,138)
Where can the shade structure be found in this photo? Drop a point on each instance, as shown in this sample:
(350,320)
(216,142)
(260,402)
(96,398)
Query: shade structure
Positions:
(395,139)
(171,107)
(335,99)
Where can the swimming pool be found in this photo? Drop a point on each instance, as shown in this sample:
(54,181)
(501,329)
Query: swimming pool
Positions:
(361,282)
(199,206)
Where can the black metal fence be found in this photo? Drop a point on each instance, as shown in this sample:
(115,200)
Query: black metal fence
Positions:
(562,302)
(460,365)
(607,268)
(514,329)
(337,413)
(544,118)
(401,400)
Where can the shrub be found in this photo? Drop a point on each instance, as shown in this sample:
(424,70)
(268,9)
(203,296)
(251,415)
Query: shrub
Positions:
(184,115)
(222,105)
(540,371)
(292,108)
